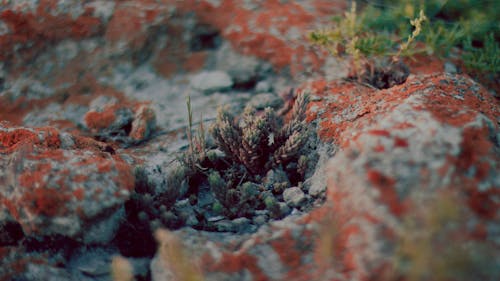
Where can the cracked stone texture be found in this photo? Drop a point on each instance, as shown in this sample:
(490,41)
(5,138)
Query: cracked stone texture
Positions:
(62,61)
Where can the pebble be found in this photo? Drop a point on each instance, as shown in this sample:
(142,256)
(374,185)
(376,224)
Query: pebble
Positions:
(293,196)
(211,81)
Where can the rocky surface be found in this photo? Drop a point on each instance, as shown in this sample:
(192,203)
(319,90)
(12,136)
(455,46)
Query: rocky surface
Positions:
(93,120)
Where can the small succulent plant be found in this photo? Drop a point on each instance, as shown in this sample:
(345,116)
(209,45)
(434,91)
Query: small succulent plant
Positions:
(253,145)
(238,170)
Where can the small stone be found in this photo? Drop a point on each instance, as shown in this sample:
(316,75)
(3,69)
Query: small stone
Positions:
(224,226)
(263,86)
(261,101)
(192,220)
(241,225)
(261,212)
(317,190)
(260,220)
(242,69)
(274,176)
(294,196)
(215,219)
(205,197)
(143,124)
(450,67)
(284,209)
(211,81)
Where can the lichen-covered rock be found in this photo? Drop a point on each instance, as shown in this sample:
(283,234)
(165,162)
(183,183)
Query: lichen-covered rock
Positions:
(128,123)
(415,182)
(17,263)
(416,160)
(57,183)
(413,188)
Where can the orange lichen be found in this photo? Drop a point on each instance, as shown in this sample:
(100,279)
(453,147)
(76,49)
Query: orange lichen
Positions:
(400,142)
(291,250)
(32,30)
(79,193)
(235,263)
(100,120)
(252,32)
(388,194)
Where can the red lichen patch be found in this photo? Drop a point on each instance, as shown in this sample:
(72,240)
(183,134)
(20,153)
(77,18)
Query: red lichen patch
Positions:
(195,61)
(341,104)
(265,31)
(79,193)
(291,250)
(175,56)
(45,201)
(104,167)
(388,194)
(475,147)
(457,100)
(234,263)
(347,107)
(421,64)
(13,139)
(486,204)
(101,120)
(125,178)
(36,177)
(400,142)
(33,30)
(382,133)
(476,163)
(130,21)
(80,93)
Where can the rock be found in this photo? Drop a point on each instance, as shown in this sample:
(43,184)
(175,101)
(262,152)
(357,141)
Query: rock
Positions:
(450,68)
(422,152)
(284,209)
(243,225)
(144,123)
(242,69)
(260,220)
(261,101)
(263,87)
(393,163)
(211,81)
(62,187)
(415,164)
(128,123)
(294,196)
(18,263)
(224,226)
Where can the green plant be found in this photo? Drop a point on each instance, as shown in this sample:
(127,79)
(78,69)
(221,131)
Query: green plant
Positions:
(253,145)
(373,39)
(374,56)
(197,143)
(486,58)
(472,25)
(441,38)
